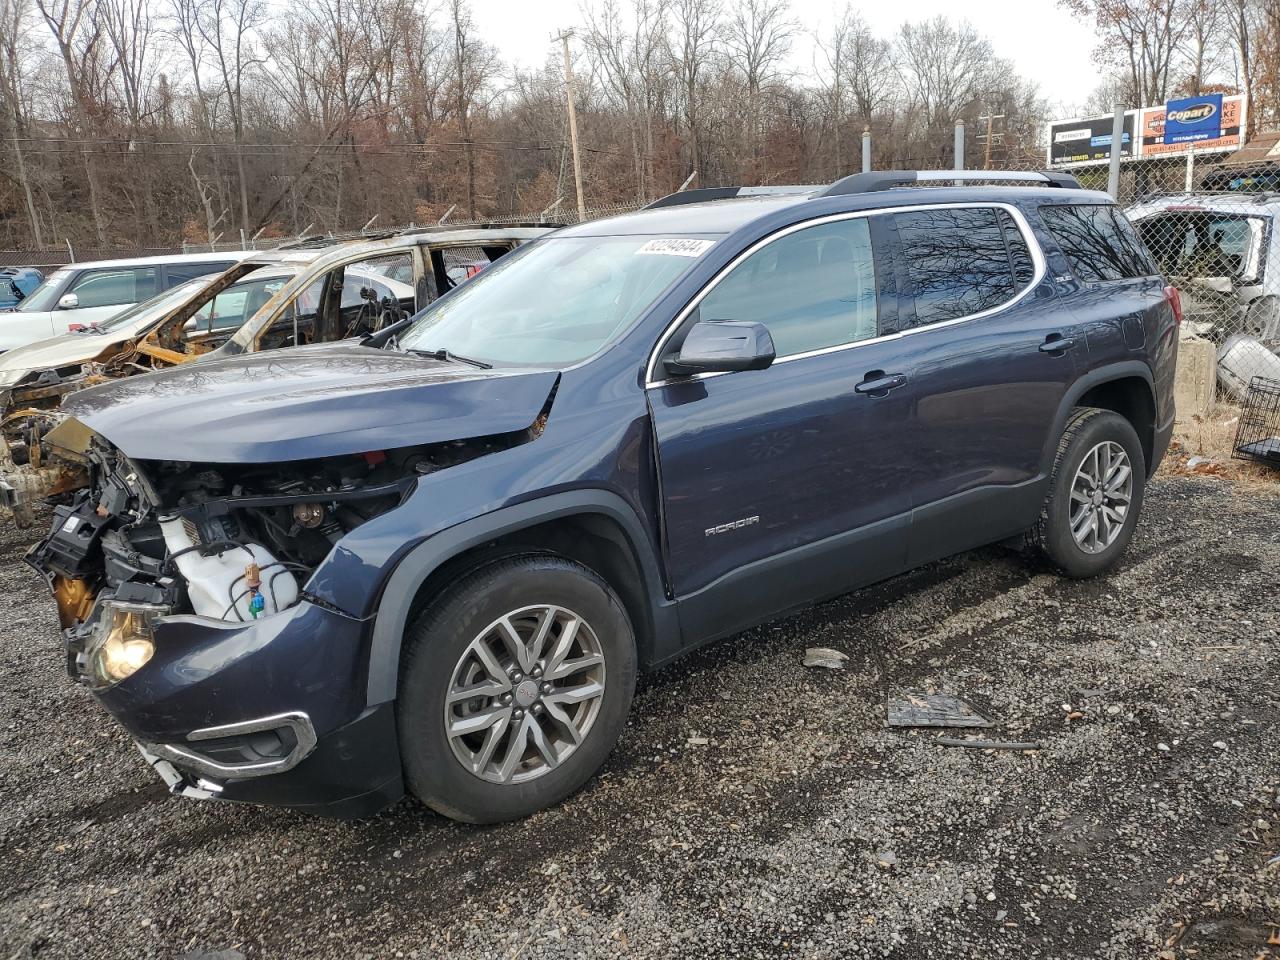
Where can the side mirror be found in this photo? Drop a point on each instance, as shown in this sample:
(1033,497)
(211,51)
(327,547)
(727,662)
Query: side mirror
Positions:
(68,301)
(723,346)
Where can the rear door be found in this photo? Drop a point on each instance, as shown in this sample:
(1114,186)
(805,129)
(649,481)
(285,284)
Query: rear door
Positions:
(994,353)
(784,485)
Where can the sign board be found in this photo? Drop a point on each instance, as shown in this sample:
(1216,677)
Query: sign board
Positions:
(1088,139)
(1192,119)
(1158,135)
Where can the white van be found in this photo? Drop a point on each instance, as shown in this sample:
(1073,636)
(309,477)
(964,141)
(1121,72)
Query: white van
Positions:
(81,294)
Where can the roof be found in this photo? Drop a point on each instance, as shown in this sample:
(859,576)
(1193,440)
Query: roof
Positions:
(1266,204)
(1263,148)
(428,236)
(718,218)
(226,256)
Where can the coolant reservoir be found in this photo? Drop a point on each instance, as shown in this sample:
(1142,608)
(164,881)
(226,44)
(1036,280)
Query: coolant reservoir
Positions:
(220,584)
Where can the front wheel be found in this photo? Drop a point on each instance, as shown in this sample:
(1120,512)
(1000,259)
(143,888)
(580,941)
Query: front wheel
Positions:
(514,688)
(1095,494)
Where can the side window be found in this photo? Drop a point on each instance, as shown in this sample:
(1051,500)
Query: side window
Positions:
(814,288)
(179,273)
(1098,242)
(389,276)
(957,260)
(111,288)
(1020,260)
(456,265)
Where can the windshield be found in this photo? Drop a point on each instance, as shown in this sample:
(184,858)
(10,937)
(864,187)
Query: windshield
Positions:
(160,303)
(45,296)
(553,302)
(240,301)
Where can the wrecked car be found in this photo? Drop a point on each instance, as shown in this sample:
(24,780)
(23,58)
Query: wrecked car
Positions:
(434,559)
(1222,252)
(320,291)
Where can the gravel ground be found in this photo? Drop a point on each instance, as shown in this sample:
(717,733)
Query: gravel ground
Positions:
(755,808)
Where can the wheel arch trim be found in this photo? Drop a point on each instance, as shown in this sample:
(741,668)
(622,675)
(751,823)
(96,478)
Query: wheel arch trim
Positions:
(1123,370)
(419,564)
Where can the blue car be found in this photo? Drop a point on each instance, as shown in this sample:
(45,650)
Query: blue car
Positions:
(435,560)
(16,284)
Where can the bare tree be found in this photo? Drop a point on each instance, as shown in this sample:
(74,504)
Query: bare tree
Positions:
(15,16)
(77,34)
(229,29)
(1141,36)
(758,35)
(474,65)
(696,42)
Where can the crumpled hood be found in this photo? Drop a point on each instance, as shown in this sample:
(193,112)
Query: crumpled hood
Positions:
(298,404)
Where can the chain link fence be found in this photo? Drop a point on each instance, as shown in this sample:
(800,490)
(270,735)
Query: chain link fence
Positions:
(1218,244)
(1212,230)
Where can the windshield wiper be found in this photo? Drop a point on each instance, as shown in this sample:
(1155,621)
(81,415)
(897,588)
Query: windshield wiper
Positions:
(443,354)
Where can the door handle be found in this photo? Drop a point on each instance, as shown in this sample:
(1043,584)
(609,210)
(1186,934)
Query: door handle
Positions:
(1056,343)
(878,383)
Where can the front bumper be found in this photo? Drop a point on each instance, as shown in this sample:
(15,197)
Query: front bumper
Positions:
(271,711)
(352,772)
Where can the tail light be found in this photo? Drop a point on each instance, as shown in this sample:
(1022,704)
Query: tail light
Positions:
(1175,301)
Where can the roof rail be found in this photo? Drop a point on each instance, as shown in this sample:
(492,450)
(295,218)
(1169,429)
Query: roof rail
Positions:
(703,194)
(888,179)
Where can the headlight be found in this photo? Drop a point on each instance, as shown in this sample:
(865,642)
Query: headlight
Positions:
(128,640)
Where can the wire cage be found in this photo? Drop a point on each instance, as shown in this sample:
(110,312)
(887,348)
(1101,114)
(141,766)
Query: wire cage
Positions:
(1258,435)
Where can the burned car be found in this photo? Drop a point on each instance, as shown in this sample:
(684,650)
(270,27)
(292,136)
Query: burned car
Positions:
(319,292)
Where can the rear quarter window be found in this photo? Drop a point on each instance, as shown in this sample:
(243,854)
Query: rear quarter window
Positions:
(961,261)
(1098,241)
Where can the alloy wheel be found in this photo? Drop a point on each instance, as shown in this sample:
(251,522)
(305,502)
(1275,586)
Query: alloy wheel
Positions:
(525,694)
(1100,496)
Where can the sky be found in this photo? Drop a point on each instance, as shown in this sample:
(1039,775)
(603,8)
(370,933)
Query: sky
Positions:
(1046,44)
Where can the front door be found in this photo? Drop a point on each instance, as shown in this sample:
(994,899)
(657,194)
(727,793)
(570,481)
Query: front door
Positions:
(785,485)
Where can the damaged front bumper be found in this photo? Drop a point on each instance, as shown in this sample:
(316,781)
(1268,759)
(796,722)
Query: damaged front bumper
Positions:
(270,712)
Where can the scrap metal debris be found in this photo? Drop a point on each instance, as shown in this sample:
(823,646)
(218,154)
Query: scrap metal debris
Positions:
(916,709)
(825,657)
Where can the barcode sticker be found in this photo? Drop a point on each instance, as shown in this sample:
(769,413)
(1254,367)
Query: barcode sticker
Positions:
(676,247)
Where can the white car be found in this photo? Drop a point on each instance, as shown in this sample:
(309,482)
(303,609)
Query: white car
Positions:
(82,294)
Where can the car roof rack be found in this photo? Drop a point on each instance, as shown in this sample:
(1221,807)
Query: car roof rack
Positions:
(889,179)
(703,194)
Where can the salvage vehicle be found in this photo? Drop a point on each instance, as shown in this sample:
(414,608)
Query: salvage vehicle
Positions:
(436,559)
(320,291)
(85,293)
(1221,250)
(16,284)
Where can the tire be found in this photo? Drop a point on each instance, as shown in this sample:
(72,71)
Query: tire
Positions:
(1089,429)
(443,655)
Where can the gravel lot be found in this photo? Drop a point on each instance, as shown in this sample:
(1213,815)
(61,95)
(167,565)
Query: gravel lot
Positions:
(755,808)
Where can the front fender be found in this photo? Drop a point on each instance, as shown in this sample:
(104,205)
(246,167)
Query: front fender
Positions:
(412,571)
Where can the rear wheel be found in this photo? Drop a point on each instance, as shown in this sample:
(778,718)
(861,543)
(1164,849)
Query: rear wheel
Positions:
(1095,494)
(514,688)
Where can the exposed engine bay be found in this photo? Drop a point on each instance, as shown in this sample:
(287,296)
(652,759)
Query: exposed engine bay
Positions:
(233,543)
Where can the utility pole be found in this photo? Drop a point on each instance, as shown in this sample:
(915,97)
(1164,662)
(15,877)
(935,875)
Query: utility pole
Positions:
(573,122)
(990,136)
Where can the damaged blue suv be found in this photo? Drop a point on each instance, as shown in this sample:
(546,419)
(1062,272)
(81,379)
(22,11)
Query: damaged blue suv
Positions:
(435,560)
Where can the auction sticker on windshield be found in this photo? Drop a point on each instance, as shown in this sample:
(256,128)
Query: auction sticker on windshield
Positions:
(676,247)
